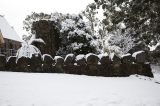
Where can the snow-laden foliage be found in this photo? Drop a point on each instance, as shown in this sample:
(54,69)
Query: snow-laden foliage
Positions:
(140,15)
(102,55)
(80,56)
(27,23)
(90,13)
(111,56)
(56,17)
(153,47)
(76,46)
(119,43)
(75,36)
(27,51)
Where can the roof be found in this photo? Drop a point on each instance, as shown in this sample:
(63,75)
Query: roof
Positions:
(7,31)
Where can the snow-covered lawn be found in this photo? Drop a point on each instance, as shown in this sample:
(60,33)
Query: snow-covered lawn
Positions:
(39,89)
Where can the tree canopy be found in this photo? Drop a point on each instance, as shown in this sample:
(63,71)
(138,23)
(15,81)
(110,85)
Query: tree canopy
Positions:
(141,15)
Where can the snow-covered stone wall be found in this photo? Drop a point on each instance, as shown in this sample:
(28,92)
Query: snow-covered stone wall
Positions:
(90,64)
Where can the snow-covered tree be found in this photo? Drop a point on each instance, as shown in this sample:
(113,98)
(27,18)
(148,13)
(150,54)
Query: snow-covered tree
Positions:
(27,23)
(90,14)
(119,42)
(75,36)
(63,33)
(140,15)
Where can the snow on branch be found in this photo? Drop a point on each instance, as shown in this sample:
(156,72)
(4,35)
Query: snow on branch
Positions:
(118,42)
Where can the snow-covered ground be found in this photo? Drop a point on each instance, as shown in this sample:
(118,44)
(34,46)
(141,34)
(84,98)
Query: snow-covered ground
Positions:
(42,89)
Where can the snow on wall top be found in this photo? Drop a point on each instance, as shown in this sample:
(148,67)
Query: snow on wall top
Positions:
(44,55)
(7,31)
(57,57)
(69,55)
(89,54)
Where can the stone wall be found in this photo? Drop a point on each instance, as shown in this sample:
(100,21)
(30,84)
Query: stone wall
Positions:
(90,65)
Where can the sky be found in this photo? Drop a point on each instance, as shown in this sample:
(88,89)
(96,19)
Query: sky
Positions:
(15,11)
